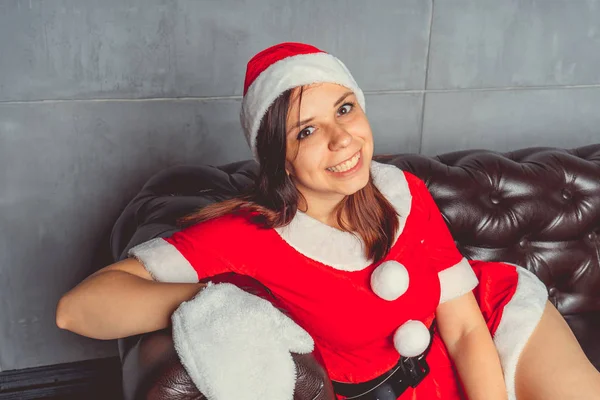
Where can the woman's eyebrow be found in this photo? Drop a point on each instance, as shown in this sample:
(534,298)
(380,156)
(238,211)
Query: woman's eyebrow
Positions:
(343,98)
(306,121)
(299,124)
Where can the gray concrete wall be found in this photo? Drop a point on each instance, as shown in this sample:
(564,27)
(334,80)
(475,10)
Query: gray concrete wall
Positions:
(96,96)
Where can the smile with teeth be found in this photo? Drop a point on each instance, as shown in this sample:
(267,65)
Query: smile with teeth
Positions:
(346,165)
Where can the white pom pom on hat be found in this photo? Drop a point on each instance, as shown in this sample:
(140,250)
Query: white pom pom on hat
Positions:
(390,280)
(412,338)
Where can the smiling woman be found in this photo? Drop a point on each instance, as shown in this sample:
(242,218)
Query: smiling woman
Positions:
(330,152)
(315,146)
(356,252)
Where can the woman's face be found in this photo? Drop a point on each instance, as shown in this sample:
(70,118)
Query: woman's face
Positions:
(329,143)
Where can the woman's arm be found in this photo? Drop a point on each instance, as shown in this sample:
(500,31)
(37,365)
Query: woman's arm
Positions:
(468,340)
(121,300)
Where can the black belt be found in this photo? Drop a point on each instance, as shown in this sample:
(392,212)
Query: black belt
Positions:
(409,372)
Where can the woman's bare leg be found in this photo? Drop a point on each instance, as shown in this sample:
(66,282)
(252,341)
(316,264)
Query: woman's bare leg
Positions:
(553,366)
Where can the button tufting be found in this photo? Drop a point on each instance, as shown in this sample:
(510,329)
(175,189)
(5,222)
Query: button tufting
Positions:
(495,198)
(566,194)
(592,236)
(523,243)
(552,291)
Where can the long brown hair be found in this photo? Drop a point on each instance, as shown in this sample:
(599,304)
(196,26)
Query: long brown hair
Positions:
(272,202)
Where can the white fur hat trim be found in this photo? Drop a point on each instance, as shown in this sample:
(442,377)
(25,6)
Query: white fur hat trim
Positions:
(390,280)
(412,338)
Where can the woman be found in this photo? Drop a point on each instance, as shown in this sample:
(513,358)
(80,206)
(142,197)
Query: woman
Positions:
(360,256)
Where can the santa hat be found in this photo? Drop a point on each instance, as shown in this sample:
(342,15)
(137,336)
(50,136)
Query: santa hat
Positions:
(282,67)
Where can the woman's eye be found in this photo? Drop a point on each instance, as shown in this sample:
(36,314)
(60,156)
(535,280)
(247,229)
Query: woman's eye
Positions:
(345,109)
(304,133)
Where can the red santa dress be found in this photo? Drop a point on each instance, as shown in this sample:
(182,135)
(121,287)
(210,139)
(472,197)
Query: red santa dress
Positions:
(338,296)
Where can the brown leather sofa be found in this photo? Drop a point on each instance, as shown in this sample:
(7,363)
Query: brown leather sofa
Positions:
(536,207)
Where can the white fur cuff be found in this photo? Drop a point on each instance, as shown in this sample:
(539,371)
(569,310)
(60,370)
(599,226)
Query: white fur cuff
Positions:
(164,262)
(457,280)
(235,345)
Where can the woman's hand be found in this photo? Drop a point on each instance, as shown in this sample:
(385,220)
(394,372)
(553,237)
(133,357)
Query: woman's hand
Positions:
(468,340)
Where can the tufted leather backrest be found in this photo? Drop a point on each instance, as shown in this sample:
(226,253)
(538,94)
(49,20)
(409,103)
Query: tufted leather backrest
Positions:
(537,207)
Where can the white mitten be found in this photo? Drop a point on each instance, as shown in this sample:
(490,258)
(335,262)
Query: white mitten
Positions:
(235,345)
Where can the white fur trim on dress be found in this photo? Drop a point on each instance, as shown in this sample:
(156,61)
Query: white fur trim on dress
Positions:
(519,318)
(457,280)
(235,345)
(291,72)
(164,262)
(344,250)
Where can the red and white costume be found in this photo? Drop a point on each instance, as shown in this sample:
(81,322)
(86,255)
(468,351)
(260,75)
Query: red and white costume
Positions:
(323,278)
(361,315)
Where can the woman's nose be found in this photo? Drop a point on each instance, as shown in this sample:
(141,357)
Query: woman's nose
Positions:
(340,139)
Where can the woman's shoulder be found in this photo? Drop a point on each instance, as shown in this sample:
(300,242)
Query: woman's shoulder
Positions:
(398,185)
(386,175)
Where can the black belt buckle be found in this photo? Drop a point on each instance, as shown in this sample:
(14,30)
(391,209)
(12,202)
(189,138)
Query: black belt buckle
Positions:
(415,369)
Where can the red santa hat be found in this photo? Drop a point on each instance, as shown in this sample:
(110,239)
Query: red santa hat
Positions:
(282,67)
